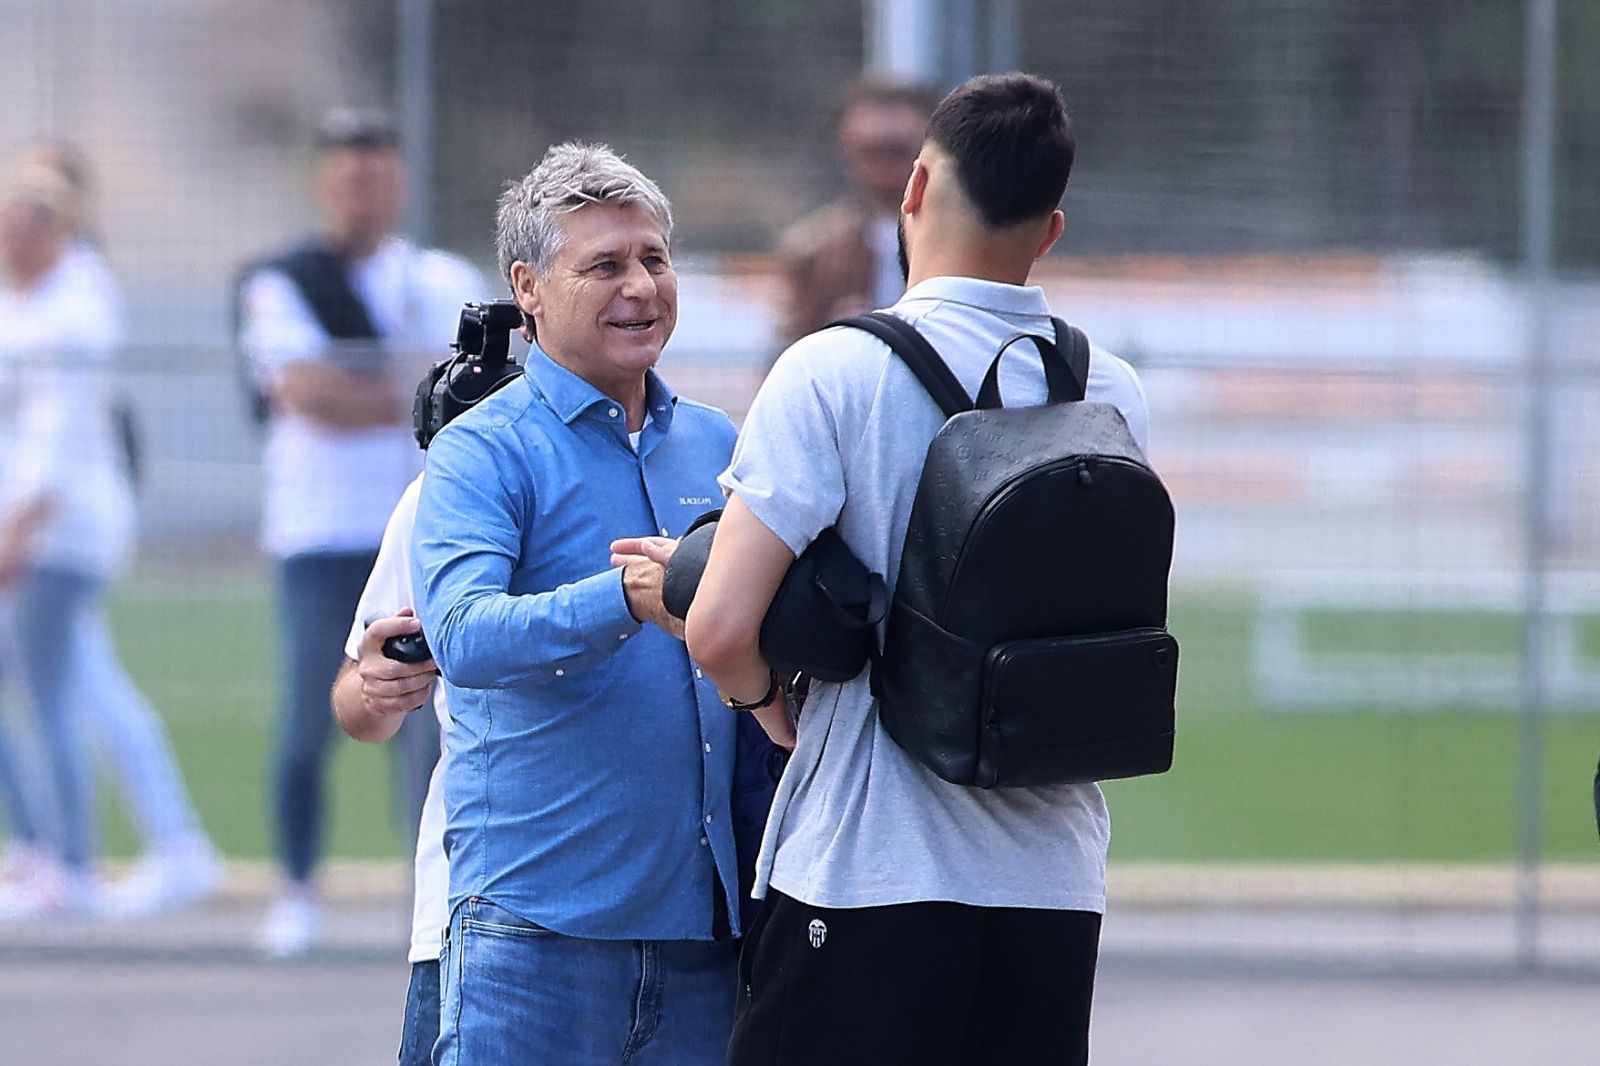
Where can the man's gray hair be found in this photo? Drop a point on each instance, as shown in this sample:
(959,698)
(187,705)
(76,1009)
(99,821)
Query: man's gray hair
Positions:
(570,176)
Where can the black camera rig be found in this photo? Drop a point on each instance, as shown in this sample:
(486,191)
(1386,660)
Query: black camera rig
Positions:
(481,364)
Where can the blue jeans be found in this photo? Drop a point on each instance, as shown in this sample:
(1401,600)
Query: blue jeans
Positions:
(45,610)
(421,1029)
(134,738)
(317,596)
(516,993)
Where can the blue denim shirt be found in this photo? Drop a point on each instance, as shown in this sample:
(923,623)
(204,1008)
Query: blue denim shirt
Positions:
(590,764)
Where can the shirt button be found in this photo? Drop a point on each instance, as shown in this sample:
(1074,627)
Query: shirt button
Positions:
(697,673)
(560,672)
(704,842)
(664,531)
(622,636)
(708,747)
(708,819)
(612,412)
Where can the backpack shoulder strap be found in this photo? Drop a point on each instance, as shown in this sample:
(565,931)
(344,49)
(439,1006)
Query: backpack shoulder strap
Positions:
(915,351)
(320,278)
(1074,345)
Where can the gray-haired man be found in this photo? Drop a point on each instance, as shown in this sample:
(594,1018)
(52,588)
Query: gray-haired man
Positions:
(587,791)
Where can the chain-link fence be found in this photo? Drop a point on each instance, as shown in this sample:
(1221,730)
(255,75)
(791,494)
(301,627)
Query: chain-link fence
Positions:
(1301,220)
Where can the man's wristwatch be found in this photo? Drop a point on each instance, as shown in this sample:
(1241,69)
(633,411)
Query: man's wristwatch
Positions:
(770,695)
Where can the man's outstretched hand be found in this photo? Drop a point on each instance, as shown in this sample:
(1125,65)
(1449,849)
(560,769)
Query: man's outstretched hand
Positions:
(644,565)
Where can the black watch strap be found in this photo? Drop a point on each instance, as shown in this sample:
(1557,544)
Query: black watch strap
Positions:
(771,694)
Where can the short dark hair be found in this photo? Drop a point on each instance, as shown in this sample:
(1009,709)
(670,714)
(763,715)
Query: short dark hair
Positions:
(1011,140)
(363,130)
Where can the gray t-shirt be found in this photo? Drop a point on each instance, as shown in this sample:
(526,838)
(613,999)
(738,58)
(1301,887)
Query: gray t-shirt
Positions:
(837,436)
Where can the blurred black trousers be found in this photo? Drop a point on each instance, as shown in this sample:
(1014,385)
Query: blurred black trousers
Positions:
(917,984)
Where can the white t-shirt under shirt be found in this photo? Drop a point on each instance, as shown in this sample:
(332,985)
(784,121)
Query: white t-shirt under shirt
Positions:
(331,489)
(837,436)
(57,439)
(388,590)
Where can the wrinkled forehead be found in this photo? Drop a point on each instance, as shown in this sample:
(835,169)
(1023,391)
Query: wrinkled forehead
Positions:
(623,228)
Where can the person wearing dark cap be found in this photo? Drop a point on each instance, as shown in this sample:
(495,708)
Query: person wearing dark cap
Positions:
(337,330)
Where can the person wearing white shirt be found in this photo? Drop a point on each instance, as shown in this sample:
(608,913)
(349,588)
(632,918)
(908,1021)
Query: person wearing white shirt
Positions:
(371,700)
(66,524)
(46,320)
(338,331)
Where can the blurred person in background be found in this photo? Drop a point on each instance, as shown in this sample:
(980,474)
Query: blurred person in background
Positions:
(842,259)
(179,865)
(590,769)
(66,524)
(338,329)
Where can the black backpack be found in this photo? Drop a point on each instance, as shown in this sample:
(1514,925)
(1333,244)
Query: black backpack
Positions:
(1026,640)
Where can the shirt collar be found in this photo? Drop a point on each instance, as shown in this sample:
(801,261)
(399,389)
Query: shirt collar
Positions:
(989,295)
(569,396)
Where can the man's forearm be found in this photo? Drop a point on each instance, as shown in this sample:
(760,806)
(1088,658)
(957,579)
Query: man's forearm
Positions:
(351,712)
(491,639)
(742,575)
(339,398)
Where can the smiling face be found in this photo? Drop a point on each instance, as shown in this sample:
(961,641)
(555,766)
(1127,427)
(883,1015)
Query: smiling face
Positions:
(610,300)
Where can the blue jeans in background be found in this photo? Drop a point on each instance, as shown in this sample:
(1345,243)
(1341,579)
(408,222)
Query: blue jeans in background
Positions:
(44,611)
(317,596)
(516,993)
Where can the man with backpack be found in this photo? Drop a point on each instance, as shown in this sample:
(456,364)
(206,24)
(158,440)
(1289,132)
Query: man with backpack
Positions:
(908,918)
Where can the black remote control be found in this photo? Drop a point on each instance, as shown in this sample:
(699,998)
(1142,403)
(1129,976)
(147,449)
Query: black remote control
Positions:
(407,648)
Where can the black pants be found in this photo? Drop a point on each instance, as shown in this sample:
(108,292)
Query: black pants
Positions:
(919,984)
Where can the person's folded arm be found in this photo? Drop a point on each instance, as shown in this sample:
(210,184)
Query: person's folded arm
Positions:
(742,574)
(723,630)
(337,398)
(290,354)
(469,531)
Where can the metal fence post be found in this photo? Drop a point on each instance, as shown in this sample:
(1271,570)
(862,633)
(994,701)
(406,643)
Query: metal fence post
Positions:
(902,38)
(1538,141)
(414,98)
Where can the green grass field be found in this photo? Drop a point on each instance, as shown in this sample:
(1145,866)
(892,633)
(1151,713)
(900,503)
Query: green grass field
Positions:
(204,653)
(1248,784)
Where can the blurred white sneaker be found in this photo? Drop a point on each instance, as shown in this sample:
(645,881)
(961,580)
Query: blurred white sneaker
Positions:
(20,863)
(52,890)
(172,876)
(291,925)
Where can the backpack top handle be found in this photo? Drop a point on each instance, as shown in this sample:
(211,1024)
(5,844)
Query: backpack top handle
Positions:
(1066,375)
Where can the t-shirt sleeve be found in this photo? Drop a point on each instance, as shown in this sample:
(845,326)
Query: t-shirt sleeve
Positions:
(389,585)
(788,462)
(447,283)
(1114,381)
(277,327)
